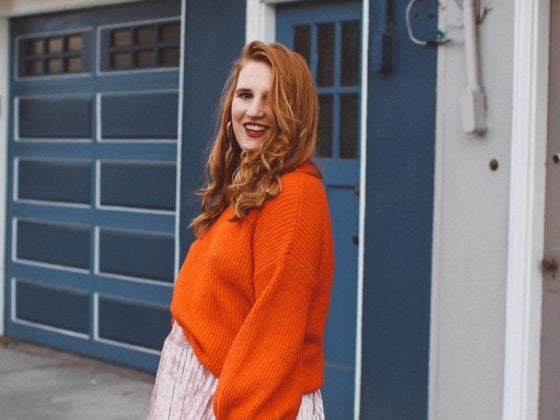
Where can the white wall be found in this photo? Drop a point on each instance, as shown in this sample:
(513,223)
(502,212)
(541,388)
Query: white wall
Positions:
(471,225)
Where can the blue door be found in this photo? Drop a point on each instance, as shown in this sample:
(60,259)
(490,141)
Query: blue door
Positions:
(92,179)
(328,36)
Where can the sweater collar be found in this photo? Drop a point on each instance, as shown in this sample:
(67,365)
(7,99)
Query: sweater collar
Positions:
(309,169)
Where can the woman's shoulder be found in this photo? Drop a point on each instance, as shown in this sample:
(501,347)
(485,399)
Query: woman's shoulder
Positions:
(302,185)
(306,176)
(300,209)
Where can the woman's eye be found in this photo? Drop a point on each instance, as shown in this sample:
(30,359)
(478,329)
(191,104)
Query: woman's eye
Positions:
(244,95)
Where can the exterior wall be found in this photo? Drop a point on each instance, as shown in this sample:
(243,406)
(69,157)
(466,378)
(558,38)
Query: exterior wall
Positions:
(471,225)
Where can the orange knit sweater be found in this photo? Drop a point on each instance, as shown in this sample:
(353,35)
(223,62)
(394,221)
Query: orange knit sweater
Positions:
(252,297)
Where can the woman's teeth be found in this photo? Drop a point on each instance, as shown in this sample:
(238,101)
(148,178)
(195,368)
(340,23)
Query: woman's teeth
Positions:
(255,127)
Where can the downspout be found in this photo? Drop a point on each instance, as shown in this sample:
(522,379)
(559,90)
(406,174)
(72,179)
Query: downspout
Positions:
(474,101)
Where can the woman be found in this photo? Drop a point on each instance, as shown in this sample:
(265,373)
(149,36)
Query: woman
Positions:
(251,300)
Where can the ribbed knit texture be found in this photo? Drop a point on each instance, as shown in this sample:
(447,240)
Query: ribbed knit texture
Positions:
(252,297)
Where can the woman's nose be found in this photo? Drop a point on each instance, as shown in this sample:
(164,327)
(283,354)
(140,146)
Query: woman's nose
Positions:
(256,108)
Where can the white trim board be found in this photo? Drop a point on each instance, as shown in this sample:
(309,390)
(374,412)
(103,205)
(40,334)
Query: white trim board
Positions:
(362,211)
(260,21)
(526,204)
(438,203)
(179,169)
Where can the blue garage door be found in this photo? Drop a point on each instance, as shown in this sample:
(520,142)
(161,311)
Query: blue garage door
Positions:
(328,36)
(92,179)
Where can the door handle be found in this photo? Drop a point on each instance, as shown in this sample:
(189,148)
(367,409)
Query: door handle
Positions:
(549,264)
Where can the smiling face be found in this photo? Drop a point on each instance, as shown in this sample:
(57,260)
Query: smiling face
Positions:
(251,115)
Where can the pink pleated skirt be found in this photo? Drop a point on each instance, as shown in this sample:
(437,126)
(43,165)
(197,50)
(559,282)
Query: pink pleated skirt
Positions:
(184,388)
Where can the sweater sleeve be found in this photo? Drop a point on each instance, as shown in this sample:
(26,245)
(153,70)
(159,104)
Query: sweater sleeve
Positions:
(263,377)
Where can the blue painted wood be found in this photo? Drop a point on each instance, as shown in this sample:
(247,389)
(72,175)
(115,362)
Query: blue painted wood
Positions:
(130,253)
(57,307)
(131,185)
(101,350)
(399,196)
(61,244)
(140,116)
(101,284)
(148,250)
(340,166)
(105,151)
(382,37)
(59,117)
(131,322)
(57,181)
(109,218)
(209,61)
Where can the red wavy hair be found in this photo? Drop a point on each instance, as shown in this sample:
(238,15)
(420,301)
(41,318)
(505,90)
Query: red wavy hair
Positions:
(245,179)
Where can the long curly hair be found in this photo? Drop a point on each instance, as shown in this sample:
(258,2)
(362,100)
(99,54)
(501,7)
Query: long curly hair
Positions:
(244,179)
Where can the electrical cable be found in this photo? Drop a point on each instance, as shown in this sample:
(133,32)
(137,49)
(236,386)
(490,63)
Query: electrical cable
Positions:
(440,40)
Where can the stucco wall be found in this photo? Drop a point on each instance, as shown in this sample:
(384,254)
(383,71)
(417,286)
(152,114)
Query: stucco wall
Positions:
(471,225)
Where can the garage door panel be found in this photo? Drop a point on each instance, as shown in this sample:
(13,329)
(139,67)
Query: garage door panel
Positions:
(138,255)
(140,185)
(132,322)
(55,117)
(58,181)
(65,245)
(139,116)
(57,307)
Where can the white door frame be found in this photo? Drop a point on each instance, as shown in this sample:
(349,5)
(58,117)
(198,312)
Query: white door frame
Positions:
(526,214)
(261,25)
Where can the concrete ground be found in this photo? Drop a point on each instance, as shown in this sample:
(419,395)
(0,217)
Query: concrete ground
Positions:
(38,383)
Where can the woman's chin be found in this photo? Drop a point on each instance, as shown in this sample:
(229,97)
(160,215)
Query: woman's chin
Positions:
(248,144)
